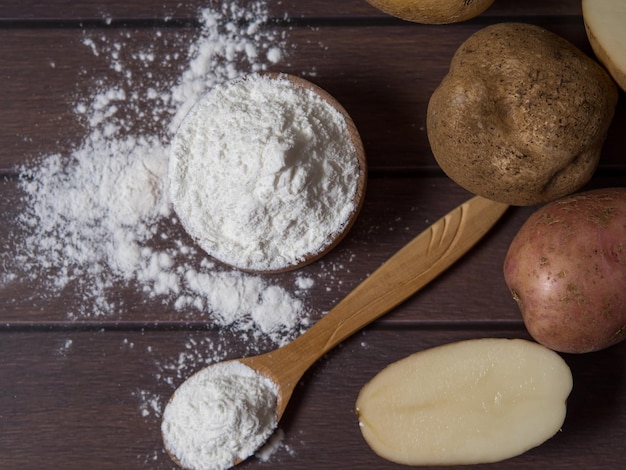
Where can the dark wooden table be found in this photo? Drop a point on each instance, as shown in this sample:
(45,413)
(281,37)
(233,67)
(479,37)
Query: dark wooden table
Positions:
(77,392)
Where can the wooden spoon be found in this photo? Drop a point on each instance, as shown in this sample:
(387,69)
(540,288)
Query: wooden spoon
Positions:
(406,272)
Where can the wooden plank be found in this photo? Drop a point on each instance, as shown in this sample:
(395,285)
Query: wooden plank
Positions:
(113,9)
(395,210)
(83,399)
(47,73)
(385,77)
(85,390)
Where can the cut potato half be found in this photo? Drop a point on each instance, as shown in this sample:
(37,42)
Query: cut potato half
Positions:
(605,23)
(475,401)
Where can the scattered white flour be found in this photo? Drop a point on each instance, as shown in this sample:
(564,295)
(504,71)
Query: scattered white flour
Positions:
(64,349)
(264,173)
(303,282)
(222,414)
(99,217)
(275,442)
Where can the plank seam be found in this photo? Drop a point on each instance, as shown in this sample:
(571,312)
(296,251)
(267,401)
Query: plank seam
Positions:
(299,22)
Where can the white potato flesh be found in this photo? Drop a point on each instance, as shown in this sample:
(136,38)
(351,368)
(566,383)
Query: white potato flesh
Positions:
(474,401)
(605,22)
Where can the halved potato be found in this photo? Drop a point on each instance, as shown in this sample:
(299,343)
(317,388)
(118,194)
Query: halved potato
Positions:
(475,401)
(605,22)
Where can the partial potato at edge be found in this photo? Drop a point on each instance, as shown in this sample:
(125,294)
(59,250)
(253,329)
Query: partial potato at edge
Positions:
(604,24)
(566,269)
(432,11)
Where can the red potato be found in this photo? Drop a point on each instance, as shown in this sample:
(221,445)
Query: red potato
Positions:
(566,269)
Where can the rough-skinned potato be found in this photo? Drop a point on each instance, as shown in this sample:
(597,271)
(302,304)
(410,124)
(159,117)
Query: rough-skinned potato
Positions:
(566,268)
(474,401)
(521,116)
(432,11)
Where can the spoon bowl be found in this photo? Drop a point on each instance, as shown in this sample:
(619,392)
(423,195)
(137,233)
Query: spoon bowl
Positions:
(406,272)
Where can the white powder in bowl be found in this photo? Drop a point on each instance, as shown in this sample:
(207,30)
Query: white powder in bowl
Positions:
(221,414)
(264,173)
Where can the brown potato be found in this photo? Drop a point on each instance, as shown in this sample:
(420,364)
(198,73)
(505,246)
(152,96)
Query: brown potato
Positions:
(566,269)
(432,11)
(521,116)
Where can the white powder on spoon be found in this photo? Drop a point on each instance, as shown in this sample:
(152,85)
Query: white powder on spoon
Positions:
(221,414)
(264,173)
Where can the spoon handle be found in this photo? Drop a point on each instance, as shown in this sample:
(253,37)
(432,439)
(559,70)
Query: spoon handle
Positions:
(406,272)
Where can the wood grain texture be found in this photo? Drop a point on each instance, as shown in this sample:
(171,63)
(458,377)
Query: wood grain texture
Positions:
(81,393)
(78,407)
(387,75)
(174,9)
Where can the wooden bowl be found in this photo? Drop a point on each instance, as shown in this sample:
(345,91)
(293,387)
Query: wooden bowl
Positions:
(182,154)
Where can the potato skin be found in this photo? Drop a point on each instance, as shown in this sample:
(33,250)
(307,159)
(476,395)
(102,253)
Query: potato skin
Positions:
(566,269)
(432,11)
(521,116)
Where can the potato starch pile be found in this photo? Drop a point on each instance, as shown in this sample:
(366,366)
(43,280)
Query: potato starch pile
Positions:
(264,173)
(219,415)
